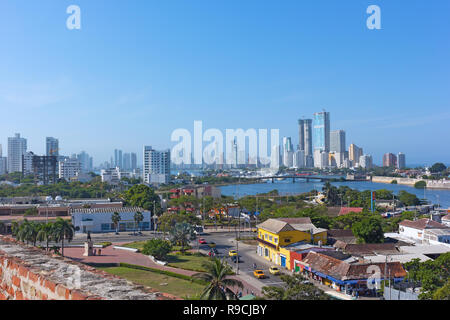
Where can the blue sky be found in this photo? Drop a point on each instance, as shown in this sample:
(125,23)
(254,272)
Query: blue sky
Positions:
(137,70)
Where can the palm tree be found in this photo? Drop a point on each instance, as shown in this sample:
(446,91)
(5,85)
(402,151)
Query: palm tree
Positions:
(15,228)
(115,218)
(138,217)
(27,231)
(63,230)
(219,285)
(2,227)
(181,234)
(46,234)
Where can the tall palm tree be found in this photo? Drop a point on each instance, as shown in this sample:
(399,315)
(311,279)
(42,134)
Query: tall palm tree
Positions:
(219,286)
(181,234)
(63,230)
(46,233)
(138,217)
(115,218)
(28,232)
(15,228)
(2,227)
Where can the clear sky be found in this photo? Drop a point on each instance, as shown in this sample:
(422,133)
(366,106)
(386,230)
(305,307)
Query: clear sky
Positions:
(138,69)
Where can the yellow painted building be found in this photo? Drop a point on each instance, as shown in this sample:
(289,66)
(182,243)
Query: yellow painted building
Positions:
(274,234)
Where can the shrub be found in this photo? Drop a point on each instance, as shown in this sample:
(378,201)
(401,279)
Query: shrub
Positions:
(420,184)
(157,248)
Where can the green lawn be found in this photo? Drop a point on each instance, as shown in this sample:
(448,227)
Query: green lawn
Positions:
(140,245)
(188,262)
(167,284)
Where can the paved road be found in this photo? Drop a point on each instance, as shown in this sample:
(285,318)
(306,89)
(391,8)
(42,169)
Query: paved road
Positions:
(225,242)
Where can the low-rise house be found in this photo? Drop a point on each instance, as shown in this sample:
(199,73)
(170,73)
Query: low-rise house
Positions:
(345,236)
(370,249)
(416,229)
(276,233)
(346,210)
(296,252)
(446,220)
(98,220)
(344,276)
(437,236)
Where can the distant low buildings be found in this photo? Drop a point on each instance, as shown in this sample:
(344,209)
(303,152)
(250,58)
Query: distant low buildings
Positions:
(425,230)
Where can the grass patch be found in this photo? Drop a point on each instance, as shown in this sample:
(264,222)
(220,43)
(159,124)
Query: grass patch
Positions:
(191,262)
(135,245)
(157,280)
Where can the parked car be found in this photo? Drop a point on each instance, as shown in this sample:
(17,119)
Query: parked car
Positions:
(202,241)
(259,274)
(214,250)
(274,270)
(232,253)
(212,245)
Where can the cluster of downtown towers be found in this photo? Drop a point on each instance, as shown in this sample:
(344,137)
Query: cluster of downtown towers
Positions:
(322,148)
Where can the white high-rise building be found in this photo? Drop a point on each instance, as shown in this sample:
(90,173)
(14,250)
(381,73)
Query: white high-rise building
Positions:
(69,168)
(156,166)
(17,147)
(299,159)
(27,163)
(321,159)
(366,161)
(337,141)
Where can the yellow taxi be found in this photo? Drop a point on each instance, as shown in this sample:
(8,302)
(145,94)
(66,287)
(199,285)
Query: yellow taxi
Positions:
(259,274)
(232,253)
(274,270)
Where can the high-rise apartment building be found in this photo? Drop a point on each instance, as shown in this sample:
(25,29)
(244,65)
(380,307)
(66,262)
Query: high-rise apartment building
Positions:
(52,146)
(133,161)
(366,161)
(354,153)
(156,166)
(17,147)
(305,136)
(337,141)
(389,160)
(45,169)
(401,161)
(126,161)
(69,168)
(321,131)
(86,161)
(3,163)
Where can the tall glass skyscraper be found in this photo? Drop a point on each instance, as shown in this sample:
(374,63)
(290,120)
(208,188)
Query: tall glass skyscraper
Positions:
(305,136)
(337,141)
(321,131)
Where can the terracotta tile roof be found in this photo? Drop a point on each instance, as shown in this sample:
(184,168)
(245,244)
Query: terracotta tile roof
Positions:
(275,226)
(344,271)
(345,210)
(422,224)
(447,217)
(340,233)
(289,224)
(371,248)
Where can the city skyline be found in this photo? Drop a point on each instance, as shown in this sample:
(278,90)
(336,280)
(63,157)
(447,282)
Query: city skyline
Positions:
(386,90)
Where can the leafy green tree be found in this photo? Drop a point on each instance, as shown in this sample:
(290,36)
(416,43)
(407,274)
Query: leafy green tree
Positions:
(181,234)
(158,248)
(219,284)
(432,276)
(115,218)
(420,184)
(443,293)
(408,199)
(438,167)
(294,289)
(168,220)
(368,230)
(63,230)
(143,197)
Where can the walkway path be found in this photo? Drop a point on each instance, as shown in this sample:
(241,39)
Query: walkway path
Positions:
(111,255)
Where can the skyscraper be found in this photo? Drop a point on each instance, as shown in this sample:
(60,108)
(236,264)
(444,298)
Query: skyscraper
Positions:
(354,153)
(126,161)
(337,141)
(389,160)
(321,131)
(401,161)
(52,146)
(133,161)
(305,136)
(17,147)
(156,166)
(365,161)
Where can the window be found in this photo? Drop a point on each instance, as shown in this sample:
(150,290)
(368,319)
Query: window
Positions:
(287,240)
(270,238)
(106,226)
(276,240)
